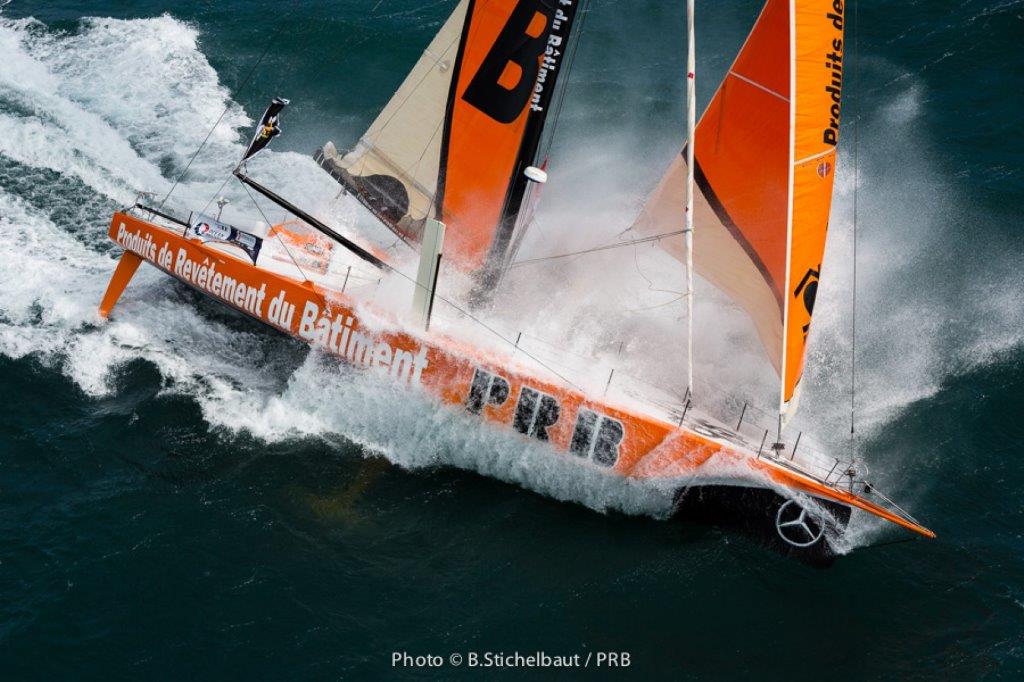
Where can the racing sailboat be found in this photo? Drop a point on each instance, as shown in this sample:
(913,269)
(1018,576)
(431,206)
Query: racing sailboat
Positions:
(452,167)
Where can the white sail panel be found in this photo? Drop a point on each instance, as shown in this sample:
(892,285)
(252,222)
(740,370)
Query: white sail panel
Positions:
(394,167)
(718,256)
(742,176)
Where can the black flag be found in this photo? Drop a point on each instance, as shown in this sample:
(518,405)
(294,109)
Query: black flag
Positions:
(268,128)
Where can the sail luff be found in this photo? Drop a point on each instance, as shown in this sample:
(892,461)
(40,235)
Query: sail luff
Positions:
(691,127)
(817,86)
(784,361)
(453,89)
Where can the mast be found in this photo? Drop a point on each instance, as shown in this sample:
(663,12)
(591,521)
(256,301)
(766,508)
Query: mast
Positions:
(691,126)
(764,181)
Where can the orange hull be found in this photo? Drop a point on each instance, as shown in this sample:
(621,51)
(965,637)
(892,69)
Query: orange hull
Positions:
(498,389)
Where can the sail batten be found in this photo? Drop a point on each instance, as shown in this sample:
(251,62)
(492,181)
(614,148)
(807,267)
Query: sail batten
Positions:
(751,81)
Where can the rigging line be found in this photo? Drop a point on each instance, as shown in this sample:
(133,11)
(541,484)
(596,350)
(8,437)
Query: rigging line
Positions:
(392,269)
(889,543)
(215,194)
(606,247)
(525,220)
(903,512)
(406,12)
(548,139)
(468,314)
(853,294)
(493,331)
(678,298)
(483,324)
(437,60)
(584,10)
(650,282)
(535,224)
(238,91)
(650,287)
(487,327)
(363,160)
(241,87)
(278,236)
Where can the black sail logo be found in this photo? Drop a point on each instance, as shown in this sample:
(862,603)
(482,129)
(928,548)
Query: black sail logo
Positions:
(516,53)
(807,289)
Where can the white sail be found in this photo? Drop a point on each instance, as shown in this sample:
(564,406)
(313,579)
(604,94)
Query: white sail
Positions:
(394,167)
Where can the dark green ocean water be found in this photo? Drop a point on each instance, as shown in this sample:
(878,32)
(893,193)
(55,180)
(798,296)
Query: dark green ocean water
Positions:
(159,520)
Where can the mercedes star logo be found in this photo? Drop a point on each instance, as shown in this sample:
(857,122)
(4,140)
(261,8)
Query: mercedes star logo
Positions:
(797,526)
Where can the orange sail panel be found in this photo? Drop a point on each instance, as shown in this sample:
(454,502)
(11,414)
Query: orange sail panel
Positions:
(511,59)
(765,164)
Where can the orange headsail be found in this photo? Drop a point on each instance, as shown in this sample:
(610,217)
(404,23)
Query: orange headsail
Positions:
(765,164)
(817,83)
(454,141)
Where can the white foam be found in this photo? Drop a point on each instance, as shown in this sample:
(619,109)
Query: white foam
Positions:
(415,431)
(150,82)
(121,102)
(926,311)
(54,132)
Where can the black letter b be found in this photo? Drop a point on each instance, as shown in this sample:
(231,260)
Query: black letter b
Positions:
(513,46)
